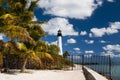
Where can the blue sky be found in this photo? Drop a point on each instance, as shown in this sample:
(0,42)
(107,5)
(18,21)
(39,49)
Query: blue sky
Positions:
(88,26)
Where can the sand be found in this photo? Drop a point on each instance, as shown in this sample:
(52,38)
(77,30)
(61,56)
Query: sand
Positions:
(75,74)
(44,75)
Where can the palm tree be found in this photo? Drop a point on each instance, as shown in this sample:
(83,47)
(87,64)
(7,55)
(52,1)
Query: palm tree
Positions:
(28,54)
(16,23)
(20,49)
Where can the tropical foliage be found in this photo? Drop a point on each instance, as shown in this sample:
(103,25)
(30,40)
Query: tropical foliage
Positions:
(25,45)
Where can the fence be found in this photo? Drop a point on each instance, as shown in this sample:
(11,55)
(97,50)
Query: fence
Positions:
(101,64)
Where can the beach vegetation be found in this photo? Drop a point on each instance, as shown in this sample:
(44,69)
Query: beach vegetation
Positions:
(24,47)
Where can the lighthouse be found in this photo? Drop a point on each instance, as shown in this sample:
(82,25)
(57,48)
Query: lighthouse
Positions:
(59,42)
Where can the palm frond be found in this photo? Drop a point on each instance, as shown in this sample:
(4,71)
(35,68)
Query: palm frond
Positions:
(33,5)
(10,48)
(1,2)
(2,11)
(38,22)
(44,55)
(36,32)
(26,17)
(17,32)
(21,46)
(7,19)
(7,16)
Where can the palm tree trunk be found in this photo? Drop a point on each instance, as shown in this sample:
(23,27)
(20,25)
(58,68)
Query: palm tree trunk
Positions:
(1,61)
(24,65)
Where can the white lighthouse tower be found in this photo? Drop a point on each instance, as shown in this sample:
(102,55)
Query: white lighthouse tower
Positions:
(59,43)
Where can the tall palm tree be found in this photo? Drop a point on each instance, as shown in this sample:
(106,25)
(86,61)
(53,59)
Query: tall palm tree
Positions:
(16,23)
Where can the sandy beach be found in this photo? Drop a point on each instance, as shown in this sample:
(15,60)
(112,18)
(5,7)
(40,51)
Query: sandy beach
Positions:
(75,74)
(44,75)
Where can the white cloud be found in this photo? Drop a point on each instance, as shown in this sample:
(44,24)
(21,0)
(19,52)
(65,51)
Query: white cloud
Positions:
(102,41)
(1,36)
(50,43)
(76,49)
(90,35)
(112,29)
(89,52)
(115,25)
(62,23)
(79,9)
(54,42)
(89,41)
(112,48)
(71,40)
(108,54)
(99,2)
(98,32)
(112,55)
(110,0)
(82,33)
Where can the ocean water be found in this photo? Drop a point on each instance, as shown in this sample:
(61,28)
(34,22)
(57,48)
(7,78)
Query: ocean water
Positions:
(114,71)
(103,65)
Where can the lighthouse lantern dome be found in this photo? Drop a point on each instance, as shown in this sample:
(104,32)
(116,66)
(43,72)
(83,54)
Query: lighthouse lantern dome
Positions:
(59,33)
